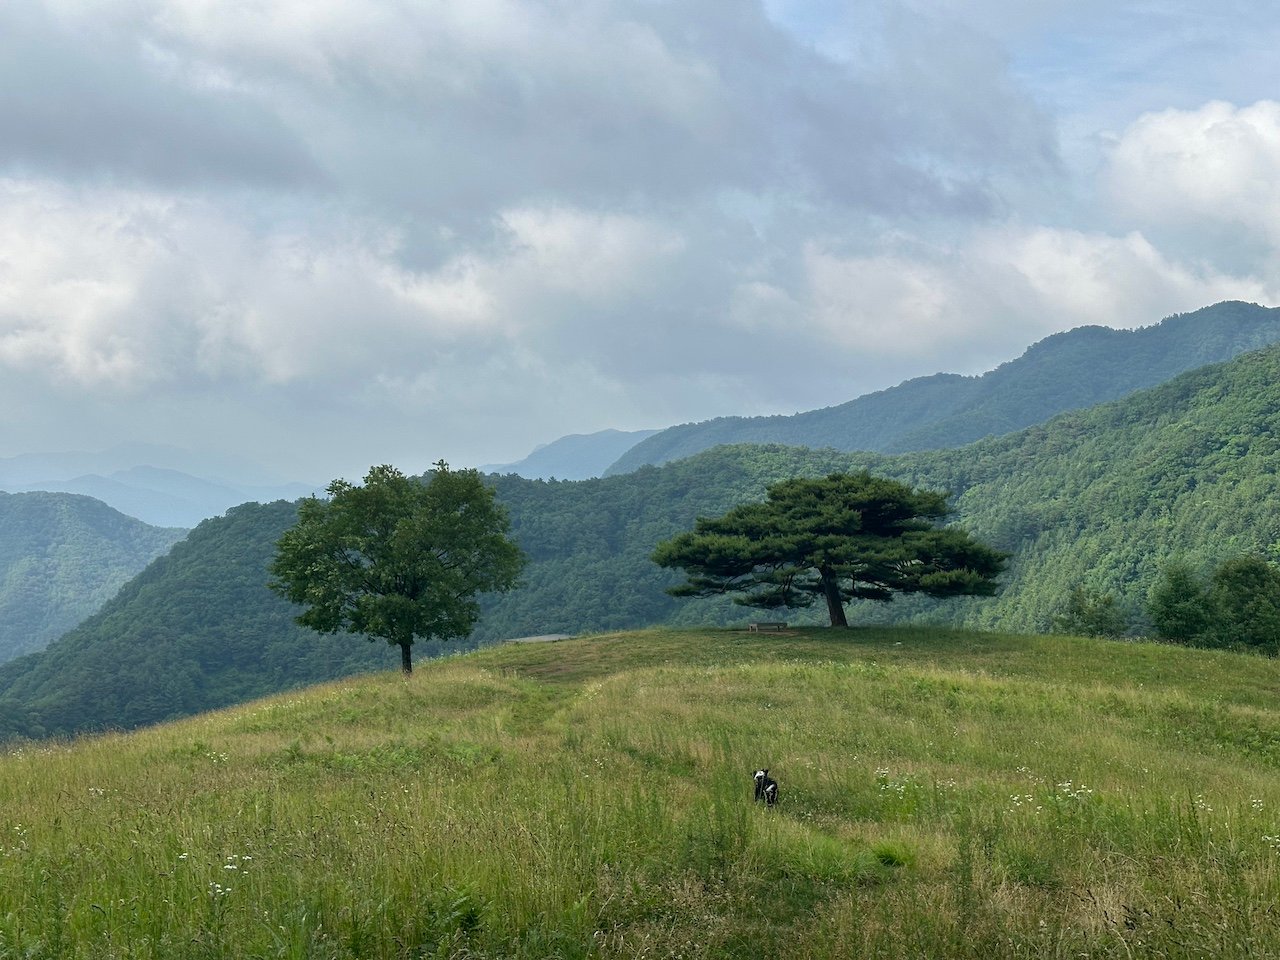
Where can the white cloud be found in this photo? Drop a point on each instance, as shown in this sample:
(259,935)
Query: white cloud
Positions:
(1215,168)
(136,291)
(67,282)
(1071,277)
(457,111)
(82,100)
(485,224)
(596,257)
(1000,288)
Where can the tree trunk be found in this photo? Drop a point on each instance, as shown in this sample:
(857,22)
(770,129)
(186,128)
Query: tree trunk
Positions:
(835,606)
(406,658)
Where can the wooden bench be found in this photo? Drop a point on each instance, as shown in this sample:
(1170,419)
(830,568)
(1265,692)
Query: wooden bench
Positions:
(766,625)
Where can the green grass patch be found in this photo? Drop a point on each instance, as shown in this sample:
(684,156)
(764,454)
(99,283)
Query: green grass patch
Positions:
(943,794)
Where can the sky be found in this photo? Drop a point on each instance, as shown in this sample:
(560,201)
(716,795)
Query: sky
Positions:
(325,234)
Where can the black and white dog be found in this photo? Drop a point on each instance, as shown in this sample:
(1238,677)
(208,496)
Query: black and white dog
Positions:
(766,788)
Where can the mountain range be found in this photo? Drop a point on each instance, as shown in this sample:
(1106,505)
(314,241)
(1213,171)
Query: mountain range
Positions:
(576,457)
(162,486)
(1099,498)
(1067,371)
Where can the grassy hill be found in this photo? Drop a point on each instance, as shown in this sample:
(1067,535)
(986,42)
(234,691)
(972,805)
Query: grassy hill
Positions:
(62,557)
(1067,371)
(944,794)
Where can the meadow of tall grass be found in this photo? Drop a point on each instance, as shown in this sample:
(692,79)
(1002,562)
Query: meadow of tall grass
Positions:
(944,794)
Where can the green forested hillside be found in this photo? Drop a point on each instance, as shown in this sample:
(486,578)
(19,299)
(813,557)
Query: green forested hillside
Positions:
(1067,371)
(61,557)
(1104,497)
(1099,498)
(196,630)
(589,542)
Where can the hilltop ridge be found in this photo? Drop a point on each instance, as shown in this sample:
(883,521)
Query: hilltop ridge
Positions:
(575,457)
(1071,370)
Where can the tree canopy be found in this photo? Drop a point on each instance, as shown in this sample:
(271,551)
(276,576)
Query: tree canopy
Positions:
(1092,614)
(840,538)
(1238,606)
(398,558)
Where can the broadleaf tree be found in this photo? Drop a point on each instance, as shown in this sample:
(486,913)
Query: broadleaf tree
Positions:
(398,558)
(1092,613)
(835,539)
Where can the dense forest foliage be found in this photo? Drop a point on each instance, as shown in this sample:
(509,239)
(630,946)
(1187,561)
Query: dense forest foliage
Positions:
(1105,498)
(589,542)
(62,556)
(1067,371)
(1237,605)
(1099,501)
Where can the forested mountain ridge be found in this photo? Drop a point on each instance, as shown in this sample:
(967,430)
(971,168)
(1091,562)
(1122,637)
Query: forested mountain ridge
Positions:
(1103,498)
(160,485)
(1067,371)
(1100,498)
(165,497)
(61,557)
(196,630)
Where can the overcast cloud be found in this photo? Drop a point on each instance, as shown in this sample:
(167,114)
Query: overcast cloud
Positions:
(329,233)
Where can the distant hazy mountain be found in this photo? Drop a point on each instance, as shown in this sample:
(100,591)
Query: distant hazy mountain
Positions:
(576,457)
(1067,371)
(30,468)
(154,484)
(62,557)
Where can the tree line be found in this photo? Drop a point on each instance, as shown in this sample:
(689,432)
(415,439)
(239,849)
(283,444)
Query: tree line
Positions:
(1233,606)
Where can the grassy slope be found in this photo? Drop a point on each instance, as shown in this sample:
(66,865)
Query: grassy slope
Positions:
(945,794)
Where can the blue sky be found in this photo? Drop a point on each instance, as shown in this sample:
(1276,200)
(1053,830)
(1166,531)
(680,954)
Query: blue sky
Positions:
(323,234)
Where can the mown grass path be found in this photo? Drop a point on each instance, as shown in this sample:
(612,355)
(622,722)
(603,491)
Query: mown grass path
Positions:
(944,794)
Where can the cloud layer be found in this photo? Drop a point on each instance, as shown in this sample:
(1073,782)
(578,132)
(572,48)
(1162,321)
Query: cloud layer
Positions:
(336,232)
